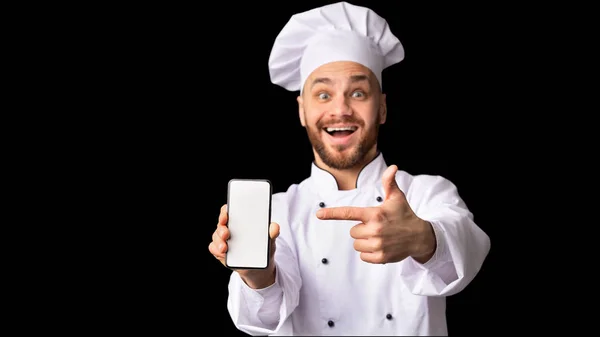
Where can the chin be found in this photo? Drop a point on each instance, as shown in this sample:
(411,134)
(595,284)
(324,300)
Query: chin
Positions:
(340,159)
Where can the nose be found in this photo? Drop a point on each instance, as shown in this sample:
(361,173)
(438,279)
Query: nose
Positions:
(341,106)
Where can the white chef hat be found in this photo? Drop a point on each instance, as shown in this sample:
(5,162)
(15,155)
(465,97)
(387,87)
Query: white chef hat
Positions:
(335,32)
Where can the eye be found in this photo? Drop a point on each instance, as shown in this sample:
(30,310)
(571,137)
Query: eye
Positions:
(323,96)
(358,94)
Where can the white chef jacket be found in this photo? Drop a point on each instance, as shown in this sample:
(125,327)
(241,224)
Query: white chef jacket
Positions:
(322,286)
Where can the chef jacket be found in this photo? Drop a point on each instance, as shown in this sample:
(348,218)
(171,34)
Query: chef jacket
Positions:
(322,286)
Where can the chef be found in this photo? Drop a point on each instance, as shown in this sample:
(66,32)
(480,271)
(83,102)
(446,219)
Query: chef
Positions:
(360,247)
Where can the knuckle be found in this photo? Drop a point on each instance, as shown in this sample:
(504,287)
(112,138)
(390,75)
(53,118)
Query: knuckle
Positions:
(377,228)
(216,238)
(379,216)
(212,248)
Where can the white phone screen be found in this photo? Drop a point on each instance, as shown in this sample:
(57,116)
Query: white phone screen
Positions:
(249,211)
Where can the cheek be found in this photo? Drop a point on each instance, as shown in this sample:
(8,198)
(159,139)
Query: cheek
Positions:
(312,118)
(370,118)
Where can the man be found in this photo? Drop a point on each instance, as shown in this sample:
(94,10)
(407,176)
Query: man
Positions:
(360,248)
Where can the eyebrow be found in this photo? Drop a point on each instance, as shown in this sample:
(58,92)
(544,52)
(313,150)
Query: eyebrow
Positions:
(353,79)
(359,78)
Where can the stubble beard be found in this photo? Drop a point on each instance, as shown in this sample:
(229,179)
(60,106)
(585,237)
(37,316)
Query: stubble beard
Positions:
(342,157)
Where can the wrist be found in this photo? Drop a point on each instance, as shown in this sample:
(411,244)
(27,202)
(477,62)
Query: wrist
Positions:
(426,246)
(259,279)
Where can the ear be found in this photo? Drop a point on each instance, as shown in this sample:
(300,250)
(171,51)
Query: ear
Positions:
(382,109)
(301,110)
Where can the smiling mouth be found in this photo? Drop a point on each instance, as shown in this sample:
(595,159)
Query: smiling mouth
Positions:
(340,131)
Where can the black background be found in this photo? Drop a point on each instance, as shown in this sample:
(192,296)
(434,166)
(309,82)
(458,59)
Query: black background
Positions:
(199,109)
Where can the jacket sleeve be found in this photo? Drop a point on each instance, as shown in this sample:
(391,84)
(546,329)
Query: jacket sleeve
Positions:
(264,311)
(461,245)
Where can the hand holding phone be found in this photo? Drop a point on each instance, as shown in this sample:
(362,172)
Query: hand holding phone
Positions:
(256,278)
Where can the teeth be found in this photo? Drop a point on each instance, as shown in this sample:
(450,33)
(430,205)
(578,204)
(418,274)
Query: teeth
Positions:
(349,128)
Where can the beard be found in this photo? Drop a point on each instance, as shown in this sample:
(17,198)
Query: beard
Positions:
(342,157)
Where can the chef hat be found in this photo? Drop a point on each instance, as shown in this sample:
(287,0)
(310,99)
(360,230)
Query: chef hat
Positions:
(335,32)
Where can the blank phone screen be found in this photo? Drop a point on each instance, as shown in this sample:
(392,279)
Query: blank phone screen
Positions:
(249,208)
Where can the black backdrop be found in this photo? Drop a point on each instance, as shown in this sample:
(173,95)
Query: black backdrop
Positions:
(204,111)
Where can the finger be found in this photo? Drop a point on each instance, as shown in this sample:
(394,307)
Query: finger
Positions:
(359,231)
(217,237)
(213,248)
(364,246)
(223,217)
(223,232)
(345,213)
(376,257)
(390,186)
(273,233)
(274,230)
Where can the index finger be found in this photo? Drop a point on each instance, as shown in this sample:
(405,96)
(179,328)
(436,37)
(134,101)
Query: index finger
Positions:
(223,216)
(344,213)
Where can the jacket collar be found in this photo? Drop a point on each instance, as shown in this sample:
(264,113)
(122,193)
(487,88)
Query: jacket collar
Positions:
(369,175)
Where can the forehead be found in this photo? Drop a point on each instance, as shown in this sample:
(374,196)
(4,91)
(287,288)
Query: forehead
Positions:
(340,71)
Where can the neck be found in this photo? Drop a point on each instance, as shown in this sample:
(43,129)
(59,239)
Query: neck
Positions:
(347,178)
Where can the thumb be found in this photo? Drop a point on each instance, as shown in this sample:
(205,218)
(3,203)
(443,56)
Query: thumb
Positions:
(274,230)
(390,187)
(273,233)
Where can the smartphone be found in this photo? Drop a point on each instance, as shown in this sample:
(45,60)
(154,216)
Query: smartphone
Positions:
(249,212)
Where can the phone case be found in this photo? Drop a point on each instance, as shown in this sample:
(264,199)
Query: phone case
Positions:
(249,211)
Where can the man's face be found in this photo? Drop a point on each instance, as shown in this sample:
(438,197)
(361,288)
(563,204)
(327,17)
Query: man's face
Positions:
(341,108)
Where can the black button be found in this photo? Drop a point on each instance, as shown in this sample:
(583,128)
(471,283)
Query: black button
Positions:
(324,260)
(330,323)
(388,316)
(379,199)
(321,204)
